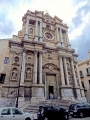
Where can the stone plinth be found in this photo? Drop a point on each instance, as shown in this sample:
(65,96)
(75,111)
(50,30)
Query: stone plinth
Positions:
(37,93)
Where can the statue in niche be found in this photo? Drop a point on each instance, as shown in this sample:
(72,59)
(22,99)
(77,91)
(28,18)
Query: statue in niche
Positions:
(14,73)
(31,31)
(28,73)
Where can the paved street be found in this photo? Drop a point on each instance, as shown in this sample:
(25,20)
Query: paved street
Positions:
(77,118)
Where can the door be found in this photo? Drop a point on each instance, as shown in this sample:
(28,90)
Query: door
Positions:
(6,114)
(51,85)
(17,114)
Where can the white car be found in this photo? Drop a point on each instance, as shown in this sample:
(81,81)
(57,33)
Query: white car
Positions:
(11,113)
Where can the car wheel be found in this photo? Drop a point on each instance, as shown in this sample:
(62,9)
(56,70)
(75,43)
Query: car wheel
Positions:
(81,115)
(66,117)
(27,119)
(46,118)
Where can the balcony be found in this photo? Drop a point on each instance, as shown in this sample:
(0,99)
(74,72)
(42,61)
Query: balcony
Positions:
(88,74)
(81,76)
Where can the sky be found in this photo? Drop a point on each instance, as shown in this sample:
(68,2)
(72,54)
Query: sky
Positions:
(76,13)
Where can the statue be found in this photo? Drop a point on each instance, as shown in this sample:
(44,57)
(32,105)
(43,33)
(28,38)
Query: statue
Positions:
(14,73)
(28,73)
(31,31)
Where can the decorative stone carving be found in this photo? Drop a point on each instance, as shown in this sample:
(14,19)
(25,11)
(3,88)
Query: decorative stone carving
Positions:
(51,66)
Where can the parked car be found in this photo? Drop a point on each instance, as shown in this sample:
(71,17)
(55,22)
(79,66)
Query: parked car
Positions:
(79,109)
(11,113)
(48,112)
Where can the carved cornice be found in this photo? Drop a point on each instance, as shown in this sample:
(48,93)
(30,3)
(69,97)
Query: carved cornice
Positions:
(16,64)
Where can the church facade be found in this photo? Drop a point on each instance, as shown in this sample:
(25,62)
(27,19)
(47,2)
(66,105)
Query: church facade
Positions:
(40,59)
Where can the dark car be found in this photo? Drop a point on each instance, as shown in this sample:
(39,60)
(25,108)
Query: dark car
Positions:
(79,109)
(48,112)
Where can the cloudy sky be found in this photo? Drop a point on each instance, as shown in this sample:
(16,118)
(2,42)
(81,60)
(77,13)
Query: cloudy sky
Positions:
(74,12)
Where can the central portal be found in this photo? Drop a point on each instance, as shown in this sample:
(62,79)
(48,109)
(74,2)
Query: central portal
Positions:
(51,86)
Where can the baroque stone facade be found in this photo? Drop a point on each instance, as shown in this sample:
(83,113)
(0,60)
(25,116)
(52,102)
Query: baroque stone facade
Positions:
(41,58)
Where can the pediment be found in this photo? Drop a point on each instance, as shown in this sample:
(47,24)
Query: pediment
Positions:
(47,18)
(39,13)
(57,20)
(50,66)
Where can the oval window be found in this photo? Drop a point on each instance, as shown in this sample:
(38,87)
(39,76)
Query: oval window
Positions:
(48,35)
(16,59)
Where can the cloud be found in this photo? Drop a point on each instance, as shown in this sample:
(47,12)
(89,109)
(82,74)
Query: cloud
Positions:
(75,13)
(79,30)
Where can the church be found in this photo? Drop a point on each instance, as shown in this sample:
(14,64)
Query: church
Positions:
(40,61)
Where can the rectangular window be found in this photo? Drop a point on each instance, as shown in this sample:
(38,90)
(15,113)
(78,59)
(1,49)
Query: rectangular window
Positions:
(88,70)
(6,60)
(89,82)
(2,78)
(81,74)
(83,84)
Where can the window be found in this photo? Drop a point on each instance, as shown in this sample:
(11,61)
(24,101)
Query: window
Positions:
(88,70)
(32,22)
(2,78)
(48,35)
(81,74)
(83,84)
(89,82)
(16,59)
(6,60)
(48,26)
(16,111)
(6,112)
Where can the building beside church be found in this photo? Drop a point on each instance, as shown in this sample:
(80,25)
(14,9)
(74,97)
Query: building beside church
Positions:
(84,75)
(41,58)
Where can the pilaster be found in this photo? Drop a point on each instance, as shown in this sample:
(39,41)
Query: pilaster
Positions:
(23,66)
(36,31)
(61,71)
(35,68)
(66,72)
(26,33)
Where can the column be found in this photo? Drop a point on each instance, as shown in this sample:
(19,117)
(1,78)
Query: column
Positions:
(26,33)
(62,44)
(40,68)
(57,34)
(61,71)
(73,72)
(35,68)
(58,42)
(66,72)
(36,31)
(23,67)
(68,39)
(41,32)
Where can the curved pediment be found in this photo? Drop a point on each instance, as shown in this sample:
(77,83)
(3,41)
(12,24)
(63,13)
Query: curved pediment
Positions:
(50,66)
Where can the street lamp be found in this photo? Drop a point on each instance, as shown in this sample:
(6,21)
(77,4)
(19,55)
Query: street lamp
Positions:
(18,94)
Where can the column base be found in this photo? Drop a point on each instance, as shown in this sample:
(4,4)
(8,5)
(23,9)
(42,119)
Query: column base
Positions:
(36,38)
(67,93)
(37,93)
(26,37)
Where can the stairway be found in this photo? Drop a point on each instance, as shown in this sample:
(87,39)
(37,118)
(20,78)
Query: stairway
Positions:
(33,108)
